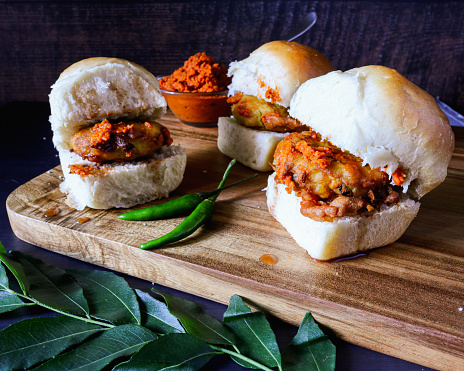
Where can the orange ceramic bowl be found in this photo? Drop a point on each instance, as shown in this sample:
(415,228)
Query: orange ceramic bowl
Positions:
(198,109)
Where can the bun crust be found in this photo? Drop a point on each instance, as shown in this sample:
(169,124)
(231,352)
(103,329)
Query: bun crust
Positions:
(251,147)
(378,115)
(95,89)
(278,66)
(345,236)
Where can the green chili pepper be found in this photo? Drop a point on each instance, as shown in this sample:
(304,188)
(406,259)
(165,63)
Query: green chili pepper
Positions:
(190,224)
(179,207)
(195,220)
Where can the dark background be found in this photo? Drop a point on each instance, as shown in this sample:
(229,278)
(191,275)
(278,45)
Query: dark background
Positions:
(424,40)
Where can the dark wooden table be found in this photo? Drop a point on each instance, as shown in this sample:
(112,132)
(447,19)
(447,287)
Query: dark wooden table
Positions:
(26,151)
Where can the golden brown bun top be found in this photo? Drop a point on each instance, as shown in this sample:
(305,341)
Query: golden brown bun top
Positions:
(95,89)
(380,116)
(275,70)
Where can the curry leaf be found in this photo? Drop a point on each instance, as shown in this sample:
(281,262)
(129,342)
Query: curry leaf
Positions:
(8,300)
(173,352)
(255,338)
(52,286)
(4,284)
(105,290)
(98,352)
(156,315)
(197,322)
(28,342)
(15,268)
(310,349)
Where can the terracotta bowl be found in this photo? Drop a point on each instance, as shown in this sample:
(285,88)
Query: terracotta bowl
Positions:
(198,109)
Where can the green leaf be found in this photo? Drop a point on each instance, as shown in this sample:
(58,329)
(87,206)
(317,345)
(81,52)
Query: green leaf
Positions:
(4,284)
(16,269)
(156,315)
(52,286)
(109,296)
(197,322)
(255,338)
(96,353)
(8,300)
(173,352)
(28,342)
(310,349)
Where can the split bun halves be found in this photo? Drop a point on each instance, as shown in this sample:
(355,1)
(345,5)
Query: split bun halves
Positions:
(112,151)
(384,122)
(272,73)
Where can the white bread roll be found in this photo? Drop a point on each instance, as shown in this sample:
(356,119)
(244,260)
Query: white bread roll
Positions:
(100,88)
(276,70)
(95,89)
(123,184)
(344,236)
(250,147)
(272,72)
(378,115)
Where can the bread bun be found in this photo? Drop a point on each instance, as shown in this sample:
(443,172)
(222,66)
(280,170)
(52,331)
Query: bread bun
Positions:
(250,147)
(273,72)
(123,184)
(345,236)
(279,67)
(95,89)
(378,115)
(89,92)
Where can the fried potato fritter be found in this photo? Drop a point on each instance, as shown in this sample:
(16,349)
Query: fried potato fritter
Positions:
(259,114)
(123,141)
(331,182)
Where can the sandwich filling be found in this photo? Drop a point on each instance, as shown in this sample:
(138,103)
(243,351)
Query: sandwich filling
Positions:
(331,182)
(256,113)
(119,141)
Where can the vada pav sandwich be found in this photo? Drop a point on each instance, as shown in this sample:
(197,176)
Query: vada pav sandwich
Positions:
(379,144)
(261,89)
(112,151)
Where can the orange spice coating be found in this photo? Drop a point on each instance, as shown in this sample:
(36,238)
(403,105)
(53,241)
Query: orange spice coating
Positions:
(331,182)
(200,73)
(85,170)
(271,94)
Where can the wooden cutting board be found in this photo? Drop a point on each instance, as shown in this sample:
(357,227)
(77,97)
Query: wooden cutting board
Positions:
(405,299)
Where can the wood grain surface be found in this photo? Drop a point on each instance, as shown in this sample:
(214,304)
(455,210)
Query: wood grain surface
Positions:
(421,39)
(405,299)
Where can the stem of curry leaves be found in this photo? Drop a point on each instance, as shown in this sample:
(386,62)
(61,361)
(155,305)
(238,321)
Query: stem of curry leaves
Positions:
(36,302)
(235,353)
(241,356)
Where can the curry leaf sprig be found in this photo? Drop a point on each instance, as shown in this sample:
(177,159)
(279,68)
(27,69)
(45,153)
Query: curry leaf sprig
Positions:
(105,324)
